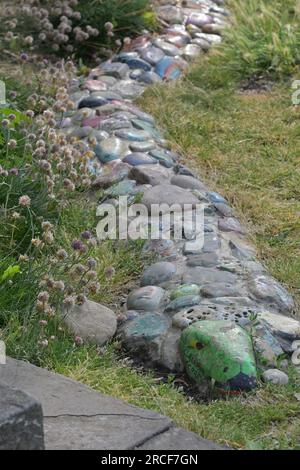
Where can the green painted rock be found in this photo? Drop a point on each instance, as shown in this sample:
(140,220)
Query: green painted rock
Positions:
(183,290)
(219,350)
(183,302)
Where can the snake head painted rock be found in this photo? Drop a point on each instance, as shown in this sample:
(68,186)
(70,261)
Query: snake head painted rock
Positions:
(219,350)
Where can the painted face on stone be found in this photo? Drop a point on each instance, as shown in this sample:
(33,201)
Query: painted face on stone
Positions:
(219,350)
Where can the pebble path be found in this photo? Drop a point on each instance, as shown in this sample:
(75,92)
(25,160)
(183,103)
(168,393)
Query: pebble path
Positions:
(221,280)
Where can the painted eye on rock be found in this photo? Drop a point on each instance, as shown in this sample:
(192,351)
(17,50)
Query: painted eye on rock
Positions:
(199,346)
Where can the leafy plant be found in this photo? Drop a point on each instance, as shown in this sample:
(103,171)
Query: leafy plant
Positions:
(263,39)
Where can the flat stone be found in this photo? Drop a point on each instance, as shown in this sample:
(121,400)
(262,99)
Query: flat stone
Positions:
(117,174)
(179,439)
(275,376)
(167,48)
(187,182)
(95,85)
(199,19)
(132,134)
(149,78)
(220,290)
(146,298)
(169,194)
(142,147)
(92,102)
(161,248)
(162,157)
(193,246)
(91,321)
(213,28)
(116,69)
(86,420)
(128,89)
(152,55)
(178,40)
(224,209)
(270,291)
(205,45)
(241,251)
(167,69)
(204,259)
(202,276)
(170,354)
(158,273)
(137,159)
(184,290)
(191,51)
(124,188)
(212,243)
(150,174)
(143,336)
(171,14)
(212,38)
(21,420)
(229,224)
(137,63)
(266,346)
(183,302)
(284,328)
(78,96)
(139,124)
(216,198)
(111,149)
(112,124)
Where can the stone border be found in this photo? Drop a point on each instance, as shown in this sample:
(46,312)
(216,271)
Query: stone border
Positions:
(223,281)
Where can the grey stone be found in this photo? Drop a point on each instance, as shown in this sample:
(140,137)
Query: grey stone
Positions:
(143,147)
(21,420)
(224,209)
(160,248)
(202,276)
(191,51)
(270,291)
(275,376)
(204,259)
(169,194)
(137,159)
(133,134)
(229,224)
(152,55)
(111,149)
(219,289)
(170,354)
(116,69)
(178,439)
(128,89)
(92,322)
(79,418)
(266,346)
(187,182)
(183,302)
(158,273)
(149,78)
(285,329)
(146,298)
(150,174)
(143,336)
(171,14)
(211,243)
(166,47)
(117,174)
